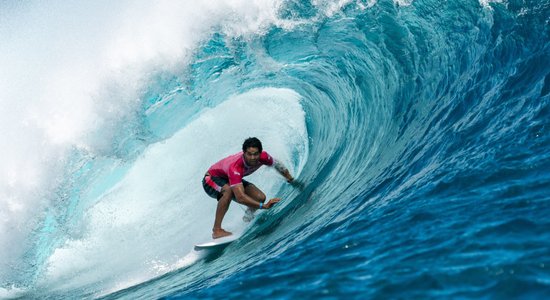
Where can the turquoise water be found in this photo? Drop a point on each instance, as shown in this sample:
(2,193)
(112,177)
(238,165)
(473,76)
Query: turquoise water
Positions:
(419,130)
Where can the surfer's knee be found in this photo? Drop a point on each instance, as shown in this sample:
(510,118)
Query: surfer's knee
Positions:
(226,193)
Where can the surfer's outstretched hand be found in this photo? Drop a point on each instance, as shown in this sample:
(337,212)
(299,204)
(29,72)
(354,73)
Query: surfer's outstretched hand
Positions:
(297,184)
(271,202)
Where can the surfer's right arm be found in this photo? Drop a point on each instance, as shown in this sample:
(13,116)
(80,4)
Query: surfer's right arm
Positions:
(243,198)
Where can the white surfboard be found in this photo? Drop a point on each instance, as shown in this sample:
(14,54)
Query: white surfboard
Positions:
(217,243)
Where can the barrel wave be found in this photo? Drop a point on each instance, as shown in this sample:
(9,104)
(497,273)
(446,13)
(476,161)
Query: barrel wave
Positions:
(419,130)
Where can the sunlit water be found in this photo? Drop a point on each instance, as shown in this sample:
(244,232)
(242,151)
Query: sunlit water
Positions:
(419,130)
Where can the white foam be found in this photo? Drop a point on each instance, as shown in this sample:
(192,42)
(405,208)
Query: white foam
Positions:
(403,2)
(486,3)
(11,293)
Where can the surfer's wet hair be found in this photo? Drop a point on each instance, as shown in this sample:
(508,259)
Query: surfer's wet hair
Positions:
(252,142)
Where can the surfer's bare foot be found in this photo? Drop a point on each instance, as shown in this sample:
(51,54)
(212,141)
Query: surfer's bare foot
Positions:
(220,232)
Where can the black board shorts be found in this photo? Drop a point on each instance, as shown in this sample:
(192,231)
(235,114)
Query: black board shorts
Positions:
(213,185)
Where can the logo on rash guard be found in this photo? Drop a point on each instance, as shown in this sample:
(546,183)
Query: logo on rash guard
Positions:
(236,173)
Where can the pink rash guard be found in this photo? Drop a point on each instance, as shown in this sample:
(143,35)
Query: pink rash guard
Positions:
(235,168)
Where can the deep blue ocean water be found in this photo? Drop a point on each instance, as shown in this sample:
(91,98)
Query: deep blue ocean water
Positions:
(420,131)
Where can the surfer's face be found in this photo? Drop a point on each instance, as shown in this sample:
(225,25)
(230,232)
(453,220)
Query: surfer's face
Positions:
(252,156)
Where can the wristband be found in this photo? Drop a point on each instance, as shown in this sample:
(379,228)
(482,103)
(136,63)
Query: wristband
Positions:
(261,205)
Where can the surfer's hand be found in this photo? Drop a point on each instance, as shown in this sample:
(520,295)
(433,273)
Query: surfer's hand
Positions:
(271,202)
(297,184)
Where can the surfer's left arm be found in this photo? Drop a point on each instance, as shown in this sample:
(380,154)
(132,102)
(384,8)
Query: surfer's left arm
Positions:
(283,170)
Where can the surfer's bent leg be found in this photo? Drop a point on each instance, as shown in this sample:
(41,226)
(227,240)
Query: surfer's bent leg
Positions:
(223,204)
(255,193)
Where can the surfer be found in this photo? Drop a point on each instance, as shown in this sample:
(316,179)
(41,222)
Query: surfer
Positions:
(224,182)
